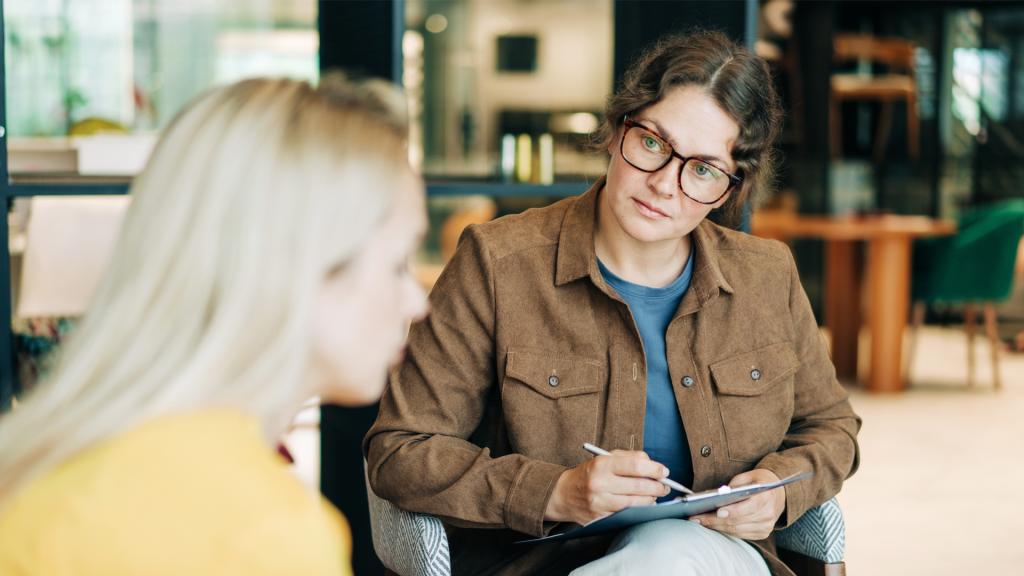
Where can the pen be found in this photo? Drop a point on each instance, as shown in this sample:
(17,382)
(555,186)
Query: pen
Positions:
(666,481)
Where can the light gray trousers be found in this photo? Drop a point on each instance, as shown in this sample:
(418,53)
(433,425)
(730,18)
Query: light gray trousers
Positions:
(676,547)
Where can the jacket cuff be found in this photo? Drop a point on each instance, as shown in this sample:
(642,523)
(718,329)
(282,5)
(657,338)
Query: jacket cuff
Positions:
(528,498)
(796,493)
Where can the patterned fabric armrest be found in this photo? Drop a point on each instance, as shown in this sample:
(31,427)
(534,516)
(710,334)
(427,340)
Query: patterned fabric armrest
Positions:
(412,544)
(408,543)
(819,534)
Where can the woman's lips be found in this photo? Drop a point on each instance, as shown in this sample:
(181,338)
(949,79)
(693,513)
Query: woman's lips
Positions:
(648,210)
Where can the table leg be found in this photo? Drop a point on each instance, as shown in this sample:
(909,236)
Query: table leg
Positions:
(842,304)
(889,294)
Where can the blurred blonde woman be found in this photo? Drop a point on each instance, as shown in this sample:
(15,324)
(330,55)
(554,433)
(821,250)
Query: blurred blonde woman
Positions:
(264,260)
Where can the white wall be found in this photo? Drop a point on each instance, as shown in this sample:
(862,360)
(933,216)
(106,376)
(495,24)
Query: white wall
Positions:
(574,53)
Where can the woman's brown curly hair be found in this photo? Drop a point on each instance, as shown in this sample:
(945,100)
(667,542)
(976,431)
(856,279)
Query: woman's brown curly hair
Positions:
(735,78)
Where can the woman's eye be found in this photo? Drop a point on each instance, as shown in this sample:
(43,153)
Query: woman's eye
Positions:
(705,171)
(651,143)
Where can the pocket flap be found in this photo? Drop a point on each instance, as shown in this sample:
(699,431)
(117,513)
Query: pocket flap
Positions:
(751,373)
(554,376)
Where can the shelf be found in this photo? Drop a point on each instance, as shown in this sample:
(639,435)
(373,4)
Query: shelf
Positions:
(510,190)
(70,185)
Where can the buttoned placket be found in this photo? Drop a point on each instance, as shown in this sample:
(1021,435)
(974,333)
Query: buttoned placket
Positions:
(682,346)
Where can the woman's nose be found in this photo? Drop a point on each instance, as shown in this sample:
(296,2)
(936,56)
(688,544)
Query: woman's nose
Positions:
(665,181)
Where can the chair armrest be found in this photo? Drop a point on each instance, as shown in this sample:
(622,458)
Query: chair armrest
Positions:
(412,544)
(820,534)
(408,543)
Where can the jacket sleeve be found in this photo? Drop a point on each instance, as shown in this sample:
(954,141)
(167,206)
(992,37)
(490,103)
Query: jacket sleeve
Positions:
(822,436)
(418,451)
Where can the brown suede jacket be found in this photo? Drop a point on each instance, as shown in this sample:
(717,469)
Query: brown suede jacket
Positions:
(528,353)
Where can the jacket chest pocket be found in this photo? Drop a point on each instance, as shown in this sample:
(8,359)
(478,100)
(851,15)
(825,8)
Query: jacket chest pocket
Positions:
(755,397)
(551,404)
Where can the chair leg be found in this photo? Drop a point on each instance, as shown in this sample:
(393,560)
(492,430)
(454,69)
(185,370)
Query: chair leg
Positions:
(916,320)
(970,315)
(993,340)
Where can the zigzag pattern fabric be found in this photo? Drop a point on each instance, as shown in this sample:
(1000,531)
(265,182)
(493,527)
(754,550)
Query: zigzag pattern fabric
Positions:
(407,543)
(820,533)
(414,544)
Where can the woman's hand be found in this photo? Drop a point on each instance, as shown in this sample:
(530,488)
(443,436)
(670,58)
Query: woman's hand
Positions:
(605,485)
(753,518)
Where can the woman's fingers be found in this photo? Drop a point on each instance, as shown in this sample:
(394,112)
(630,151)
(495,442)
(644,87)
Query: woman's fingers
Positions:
(636,464)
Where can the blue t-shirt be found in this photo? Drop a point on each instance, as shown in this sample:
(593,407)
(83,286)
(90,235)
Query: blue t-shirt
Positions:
(653,309)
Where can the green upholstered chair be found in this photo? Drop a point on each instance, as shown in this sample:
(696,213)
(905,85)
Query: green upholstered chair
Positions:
(972,268)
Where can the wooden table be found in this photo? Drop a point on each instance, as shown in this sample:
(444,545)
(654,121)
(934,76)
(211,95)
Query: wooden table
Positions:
(889,240)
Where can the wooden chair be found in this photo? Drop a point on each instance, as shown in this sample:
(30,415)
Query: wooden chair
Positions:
(898,84)
(475,210)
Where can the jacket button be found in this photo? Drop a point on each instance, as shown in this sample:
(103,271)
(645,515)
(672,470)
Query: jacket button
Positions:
(705,450)
(553,381)
(755,374)
(687,381)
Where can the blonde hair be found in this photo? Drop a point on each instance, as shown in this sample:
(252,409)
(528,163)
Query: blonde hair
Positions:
(254,194)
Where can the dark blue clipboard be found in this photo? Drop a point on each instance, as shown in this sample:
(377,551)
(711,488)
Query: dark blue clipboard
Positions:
(682,507)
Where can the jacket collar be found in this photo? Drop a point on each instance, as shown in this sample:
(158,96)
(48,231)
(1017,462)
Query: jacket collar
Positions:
(708,280)
(577,257)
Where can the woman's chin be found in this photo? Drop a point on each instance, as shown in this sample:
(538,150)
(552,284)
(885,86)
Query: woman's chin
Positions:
(350,393)
(642,230)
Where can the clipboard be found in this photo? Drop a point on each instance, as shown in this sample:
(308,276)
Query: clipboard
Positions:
(681,507)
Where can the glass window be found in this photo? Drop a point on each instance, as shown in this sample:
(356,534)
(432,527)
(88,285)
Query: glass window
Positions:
(90,84)
(507,90)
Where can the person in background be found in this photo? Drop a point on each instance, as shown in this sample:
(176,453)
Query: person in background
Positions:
(626,319)
(264,261)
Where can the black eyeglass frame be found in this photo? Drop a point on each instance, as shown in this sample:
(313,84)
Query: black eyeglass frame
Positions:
(628,124)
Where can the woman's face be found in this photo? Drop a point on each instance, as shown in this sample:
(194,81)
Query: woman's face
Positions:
(650,207)
(364,310)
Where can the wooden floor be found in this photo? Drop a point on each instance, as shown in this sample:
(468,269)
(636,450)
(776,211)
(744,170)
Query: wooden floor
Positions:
(941,484)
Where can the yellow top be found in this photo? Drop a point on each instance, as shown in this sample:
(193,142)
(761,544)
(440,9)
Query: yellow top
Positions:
(195,494)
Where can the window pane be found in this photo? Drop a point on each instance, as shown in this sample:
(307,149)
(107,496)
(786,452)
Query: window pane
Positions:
(507,89)
(90,84)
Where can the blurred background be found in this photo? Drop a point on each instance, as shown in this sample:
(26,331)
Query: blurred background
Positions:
(900,191)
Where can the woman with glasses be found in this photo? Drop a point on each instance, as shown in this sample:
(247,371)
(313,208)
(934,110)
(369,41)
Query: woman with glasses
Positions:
(624,318)
(263,262)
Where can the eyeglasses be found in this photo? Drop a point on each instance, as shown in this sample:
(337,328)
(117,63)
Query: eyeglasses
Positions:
(699,181)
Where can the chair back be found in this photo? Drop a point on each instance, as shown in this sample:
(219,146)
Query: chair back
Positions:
(976,264)
(895,53)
